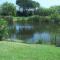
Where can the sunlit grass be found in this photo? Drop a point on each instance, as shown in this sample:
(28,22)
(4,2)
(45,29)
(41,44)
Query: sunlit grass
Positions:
(21,51)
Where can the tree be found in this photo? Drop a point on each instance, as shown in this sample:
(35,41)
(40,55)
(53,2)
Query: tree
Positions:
(27,4)
(55,9)
(8,9)
(3,28)
(44,11)
(0,10)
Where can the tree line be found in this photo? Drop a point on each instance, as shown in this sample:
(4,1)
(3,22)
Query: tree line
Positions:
(27,8)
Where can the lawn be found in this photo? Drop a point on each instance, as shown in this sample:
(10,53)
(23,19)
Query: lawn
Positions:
(21,51)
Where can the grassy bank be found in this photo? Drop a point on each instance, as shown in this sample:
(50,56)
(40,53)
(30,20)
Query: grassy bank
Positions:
(21,51)
(36,19)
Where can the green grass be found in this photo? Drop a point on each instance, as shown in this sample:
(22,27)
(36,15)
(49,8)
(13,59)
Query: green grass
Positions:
(21,51)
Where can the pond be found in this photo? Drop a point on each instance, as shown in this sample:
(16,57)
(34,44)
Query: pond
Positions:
(33,33)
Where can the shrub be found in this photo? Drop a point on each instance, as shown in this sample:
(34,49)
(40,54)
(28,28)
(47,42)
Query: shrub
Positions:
(55,17)
(3,28)
(39,42)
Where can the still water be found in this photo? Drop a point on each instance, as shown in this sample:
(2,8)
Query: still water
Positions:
(33,33)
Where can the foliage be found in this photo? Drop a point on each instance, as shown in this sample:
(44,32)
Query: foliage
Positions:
(55,17)
(39,42)
(55,9)
(0,10)
(3,28)
(27,4)
(48,11)
(44,11)
(34,19)
(8,9)
(28,7)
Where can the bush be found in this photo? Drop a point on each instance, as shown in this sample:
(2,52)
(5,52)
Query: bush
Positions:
(34,19)
(3,28)
(8,9)
(39,42)
(56,18)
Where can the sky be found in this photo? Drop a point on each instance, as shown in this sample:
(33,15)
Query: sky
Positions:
(43,3)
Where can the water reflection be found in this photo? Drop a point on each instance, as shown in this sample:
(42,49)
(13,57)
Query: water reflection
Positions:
(32,33)
(44,36)
(21,27)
